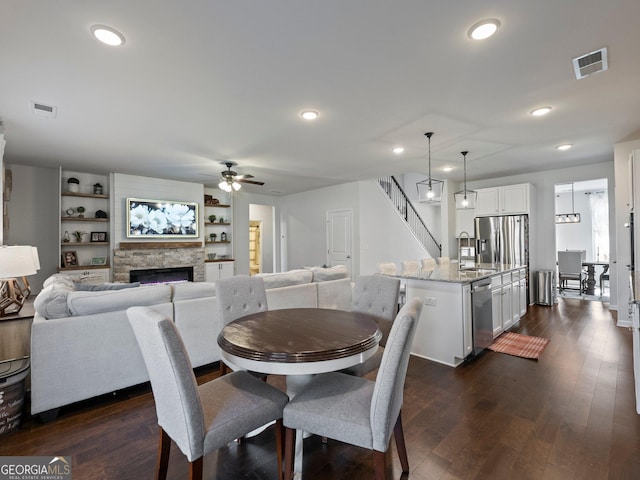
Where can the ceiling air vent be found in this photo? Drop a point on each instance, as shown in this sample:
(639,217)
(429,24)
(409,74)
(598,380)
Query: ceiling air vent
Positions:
(592,62)
(42,110)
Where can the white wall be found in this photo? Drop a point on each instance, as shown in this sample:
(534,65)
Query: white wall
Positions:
(133,186)
(542,220)
(34,216)
(575,236)
(384,235)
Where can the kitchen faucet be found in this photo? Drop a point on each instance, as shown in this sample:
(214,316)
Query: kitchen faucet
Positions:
(468,237)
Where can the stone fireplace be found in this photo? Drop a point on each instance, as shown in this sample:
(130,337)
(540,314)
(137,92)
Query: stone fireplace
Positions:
(150,255)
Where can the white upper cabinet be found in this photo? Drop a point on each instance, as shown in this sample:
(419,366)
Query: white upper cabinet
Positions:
(508,200)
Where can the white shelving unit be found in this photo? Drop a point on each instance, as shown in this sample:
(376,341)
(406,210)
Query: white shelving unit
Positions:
(219,262)
(83,257)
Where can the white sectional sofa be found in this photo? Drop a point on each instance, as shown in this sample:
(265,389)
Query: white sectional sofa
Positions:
(82,345)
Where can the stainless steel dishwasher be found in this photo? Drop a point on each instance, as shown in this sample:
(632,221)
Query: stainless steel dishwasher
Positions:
(482,316)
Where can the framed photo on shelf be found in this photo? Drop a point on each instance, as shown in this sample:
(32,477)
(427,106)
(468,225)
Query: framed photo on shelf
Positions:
(98,260)
(98,236)
(70,258)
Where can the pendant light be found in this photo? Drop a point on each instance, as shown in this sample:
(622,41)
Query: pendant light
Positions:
(430,189)
(465,198)
(572,217)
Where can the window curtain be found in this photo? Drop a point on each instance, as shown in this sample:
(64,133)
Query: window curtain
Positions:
(599,203)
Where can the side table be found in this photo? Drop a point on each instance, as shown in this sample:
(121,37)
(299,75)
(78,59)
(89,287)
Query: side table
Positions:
(15,332)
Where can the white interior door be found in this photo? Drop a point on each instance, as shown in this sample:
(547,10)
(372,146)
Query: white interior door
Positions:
(340,238)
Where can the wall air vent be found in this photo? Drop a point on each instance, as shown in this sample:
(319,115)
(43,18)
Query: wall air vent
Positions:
(590,63)
(41,110)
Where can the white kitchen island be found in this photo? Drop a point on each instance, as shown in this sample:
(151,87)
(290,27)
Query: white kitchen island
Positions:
(445,330)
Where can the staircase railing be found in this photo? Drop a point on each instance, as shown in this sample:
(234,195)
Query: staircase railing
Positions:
(402,203)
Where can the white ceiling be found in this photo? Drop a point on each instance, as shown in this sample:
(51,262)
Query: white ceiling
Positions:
(199,82)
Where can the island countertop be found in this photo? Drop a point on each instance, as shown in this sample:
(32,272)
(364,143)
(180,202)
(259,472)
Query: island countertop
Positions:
(456,274)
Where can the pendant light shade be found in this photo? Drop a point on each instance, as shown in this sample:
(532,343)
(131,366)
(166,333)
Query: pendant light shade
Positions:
(465,198)
(430,189)
(572,217)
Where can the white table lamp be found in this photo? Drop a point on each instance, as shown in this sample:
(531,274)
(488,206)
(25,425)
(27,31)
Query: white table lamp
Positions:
(16,262)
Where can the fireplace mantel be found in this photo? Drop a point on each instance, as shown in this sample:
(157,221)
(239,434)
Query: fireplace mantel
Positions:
(146,245)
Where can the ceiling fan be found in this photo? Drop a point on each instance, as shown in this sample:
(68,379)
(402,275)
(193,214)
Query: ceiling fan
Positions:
(231,180)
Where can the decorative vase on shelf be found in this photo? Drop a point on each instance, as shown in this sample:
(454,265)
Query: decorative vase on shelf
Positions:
(65,237)
(213,236)
(73,185)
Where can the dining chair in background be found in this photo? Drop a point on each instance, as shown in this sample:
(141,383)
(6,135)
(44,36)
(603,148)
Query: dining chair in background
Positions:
(429,264)
(239,296)
(570,270)
(378,296)
(356,410)
(199,418)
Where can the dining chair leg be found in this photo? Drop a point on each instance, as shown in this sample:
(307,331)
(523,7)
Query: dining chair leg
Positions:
(398,433)
(223,368)
(164,447)
(380,465)
(279,445)
(289,452)
(195,469)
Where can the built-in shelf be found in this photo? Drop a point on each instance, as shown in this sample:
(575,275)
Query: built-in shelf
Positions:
(82,244)
(211,243)
(217,260)
(85,195)
(83,219)
(212,224)
(217,205)
(82,267)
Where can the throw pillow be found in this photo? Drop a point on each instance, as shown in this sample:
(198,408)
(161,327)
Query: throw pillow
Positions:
(90,287)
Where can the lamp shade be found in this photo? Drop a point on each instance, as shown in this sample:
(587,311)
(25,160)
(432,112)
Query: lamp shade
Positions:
(18,261)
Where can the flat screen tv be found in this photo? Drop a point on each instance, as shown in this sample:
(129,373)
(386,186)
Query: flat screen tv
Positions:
(161,218)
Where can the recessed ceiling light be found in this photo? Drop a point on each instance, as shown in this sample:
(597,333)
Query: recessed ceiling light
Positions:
(309,114)
(539,112)
(107,35)
(564,147)
(398,150)
(483,29)
(447,169)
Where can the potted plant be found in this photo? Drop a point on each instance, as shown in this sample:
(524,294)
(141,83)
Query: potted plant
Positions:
(212,218)
(78,234)
(73,184)
(213,236)
(80,211)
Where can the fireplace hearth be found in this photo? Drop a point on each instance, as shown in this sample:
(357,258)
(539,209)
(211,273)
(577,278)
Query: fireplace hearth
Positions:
(162,275)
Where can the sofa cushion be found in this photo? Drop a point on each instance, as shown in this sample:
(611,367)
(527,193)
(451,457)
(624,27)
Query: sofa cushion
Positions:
(51,302)
(295,296)
(335,294)
(286,279)
(321,274)
(86,303)
(100,287)
(190,290)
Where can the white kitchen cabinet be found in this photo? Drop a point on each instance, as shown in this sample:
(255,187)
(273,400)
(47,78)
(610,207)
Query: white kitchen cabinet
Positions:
(523,296)
(444,332)
(507,200)
(515,299)
(507,295)
(496,310)
(217,270)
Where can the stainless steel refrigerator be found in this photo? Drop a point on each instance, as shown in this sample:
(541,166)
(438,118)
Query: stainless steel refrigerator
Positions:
(502,240)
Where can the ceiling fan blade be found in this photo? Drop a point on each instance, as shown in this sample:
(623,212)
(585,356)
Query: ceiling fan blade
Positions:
(253,182)
(246,175)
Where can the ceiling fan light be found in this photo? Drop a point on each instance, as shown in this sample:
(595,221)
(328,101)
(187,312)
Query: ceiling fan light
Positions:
(236,186)
(223,185)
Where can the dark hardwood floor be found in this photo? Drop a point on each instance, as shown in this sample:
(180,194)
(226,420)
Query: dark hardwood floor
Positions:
(570,415)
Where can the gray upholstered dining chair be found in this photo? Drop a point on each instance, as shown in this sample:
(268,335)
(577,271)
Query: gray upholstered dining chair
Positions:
(239,296)
(570,270)
(199,418)
(356,410)
(376,295)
